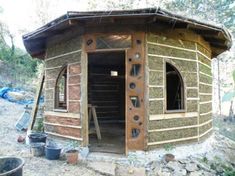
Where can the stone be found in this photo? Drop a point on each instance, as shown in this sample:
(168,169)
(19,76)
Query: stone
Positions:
(208,173)
(103,167)
(203,166)
(174,165)
(165,174)
(168,157)
(219,169)
(122,170)
(184,161)
(231,155)
(191,167)
(180,172)
(153,165)
(84,151)
(196,173)
(201,173)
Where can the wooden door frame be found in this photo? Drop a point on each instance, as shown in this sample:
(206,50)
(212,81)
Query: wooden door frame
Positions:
(84,104)
(129,52)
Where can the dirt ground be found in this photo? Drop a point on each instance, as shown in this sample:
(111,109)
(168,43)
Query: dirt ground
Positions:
(219,160)
(34,166)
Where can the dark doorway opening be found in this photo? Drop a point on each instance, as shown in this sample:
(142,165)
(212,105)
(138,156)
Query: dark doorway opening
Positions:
(175,89)
(106,91)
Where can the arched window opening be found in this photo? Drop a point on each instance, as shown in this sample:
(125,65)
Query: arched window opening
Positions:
(61,90)
(175,88)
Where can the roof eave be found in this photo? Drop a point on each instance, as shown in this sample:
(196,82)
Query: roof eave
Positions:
(64,21)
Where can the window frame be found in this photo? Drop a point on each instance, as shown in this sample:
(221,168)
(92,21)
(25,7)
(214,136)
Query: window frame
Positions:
(57,108)
(183,102)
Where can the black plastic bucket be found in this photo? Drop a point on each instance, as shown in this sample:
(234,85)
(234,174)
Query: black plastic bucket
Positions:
(52,152)
(11,166)
(37,148)
(37,137)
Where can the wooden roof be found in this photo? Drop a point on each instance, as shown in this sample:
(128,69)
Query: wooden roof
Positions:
(219,38)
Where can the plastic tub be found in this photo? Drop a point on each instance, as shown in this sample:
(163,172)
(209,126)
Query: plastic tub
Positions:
(37,148)
(52,152)
(37,137)
(11,166)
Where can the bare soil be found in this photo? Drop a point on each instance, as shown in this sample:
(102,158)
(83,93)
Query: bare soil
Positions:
(219,151)
(34,166)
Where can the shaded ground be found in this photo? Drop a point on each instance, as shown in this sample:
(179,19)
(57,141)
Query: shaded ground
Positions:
(217,155)
(225,127)
(35,166)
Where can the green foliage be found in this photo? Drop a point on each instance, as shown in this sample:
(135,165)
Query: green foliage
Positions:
(19,67)
(73,145)
(205,160)
(234,77)
(39,126)
(168,147)
(219,11)
(229,172)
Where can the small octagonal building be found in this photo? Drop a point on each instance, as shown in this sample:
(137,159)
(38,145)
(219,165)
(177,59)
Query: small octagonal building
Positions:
(141,78)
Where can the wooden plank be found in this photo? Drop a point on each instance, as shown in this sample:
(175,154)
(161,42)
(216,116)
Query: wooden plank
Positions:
(84,94)
(65,54)
(179,128)
(97,128)
(57,124)
(36,101)
(64,136)
(172,116)
(172,57)
(170,46)
(173,140)
(61,114)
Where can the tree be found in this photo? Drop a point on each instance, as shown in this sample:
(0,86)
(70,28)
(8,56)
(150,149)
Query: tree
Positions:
(16,64)
(212,11)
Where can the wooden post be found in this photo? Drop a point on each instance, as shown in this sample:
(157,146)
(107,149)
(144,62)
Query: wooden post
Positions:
(36,101)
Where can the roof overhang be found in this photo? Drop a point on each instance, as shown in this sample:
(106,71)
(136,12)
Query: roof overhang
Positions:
(219,38)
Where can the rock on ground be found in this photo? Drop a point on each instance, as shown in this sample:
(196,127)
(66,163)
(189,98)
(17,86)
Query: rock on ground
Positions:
(103,168)
(191,167)
(129,171)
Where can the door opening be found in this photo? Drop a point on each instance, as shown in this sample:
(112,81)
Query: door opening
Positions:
(106,91)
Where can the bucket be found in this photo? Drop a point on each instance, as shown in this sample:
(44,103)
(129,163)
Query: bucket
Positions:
(37,137)
(11,166)
(37,148)
(52,152)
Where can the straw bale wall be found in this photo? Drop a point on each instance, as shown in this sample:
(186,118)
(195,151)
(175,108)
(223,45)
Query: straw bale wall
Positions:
(66,53)
(193,62)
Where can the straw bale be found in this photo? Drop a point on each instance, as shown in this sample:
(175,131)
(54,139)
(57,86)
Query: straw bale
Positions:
(170,123)
(170,41)
(156,107)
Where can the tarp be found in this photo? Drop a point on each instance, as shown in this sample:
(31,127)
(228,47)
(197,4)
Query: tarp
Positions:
(229,96)
(17,95)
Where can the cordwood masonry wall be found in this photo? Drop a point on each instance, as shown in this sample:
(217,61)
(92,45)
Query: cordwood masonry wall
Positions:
(193,61)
